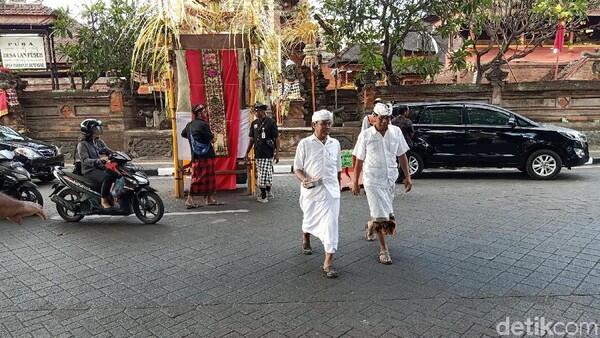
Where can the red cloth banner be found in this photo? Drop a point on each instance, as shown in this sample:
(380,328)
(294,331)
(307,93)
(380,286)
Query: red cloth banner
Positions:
(559,39)
(231,93)
(193,59)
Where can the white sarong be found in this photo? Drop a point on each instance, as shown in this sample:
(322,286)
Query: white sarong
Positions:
(380,201)
(321,220)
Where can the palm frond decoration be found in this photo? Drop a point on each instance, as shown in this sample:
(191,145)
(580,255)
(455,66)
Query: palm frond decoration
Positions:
(256,18)
(300,29)
(171,18)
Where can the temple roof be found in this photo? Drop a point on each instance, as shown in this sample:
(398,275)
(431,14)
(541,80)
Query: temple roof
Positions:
(26,15)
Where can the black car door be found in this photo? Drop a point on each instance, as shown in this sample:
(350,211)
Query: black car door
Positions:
(491,138)
(441,128)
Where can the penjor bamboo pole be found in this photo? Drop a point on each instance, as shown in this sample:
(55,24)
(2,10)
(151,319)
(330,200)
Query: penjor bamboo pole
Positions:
(312,81)
(252,87)
(171,107)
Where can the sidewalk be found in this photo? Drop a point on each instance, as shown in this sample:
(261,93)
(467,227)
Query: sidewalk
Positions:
(165,168)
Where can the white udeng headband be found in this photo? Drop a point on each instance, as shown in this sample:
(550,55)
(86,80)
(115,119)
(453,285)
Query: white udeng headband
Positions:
(322,115)
(382,109)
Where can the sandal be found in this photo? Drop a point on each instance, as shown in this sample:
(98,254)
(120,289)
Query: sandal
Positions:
(306,249)
(193,206)
(370,236)
(330,272)
(384,258)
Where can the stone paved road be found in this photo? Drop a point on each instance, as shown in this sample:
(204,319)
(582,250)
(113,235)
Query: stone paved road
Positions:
(473,248)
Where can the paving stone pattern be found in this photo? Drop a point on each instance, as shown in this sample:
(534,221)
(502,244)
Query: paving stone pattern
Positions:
(472,249)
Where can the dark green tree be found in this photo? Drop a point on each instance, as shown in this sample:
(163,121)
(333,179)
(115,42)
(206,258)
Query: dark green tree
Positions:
(103,41)
(493,27)
(384,22)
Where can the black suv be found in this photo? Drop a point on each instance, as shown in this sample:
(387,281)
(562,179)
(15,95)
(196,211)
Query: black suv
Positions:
(37,157)
(456,134)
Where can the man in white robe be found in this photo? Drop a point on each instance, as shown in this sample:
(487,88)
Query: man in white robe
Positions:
(318,166)
(378,151)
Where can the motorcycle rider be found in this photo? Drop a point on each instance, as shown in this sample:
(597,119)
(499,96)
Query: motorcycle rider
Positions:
(91,151)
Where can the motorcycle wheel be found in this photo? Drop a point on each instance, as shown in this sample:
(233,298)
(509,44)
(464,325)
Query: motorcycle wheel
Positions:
(66,214)
(30,194)
(148,207)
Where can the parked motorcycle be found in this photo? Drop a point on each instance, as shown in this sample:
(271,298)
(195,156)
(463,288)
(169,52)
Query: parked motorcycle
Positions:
(76,196)
(15,180)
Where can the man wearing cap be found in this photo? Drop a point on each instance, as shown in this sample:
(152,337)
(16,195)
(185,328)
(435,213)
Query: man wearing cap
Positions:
(264,137)
(318,166)
(378,151)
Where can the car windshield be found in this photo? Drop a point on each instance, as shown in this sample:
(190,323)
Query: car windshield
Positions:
(7,134)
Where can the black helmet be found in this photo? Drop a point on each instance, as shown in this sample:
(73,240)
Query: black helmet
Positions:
(88,126)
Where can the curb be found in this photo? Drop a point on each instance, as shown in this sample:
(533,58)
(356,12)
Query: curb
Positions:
(277,169)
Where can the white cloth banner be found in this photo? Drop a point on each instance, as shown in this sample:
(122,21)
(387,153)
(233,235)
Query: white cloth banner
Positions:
(183,145)
(244,139)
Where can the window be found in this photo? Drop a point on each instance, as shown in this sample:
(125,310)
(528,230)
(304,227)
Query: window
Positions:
(442,115)
(487,117)
(415,113)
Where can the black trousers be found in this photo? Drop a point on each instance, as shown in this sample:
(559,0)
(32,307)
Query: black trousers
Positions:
(103,178)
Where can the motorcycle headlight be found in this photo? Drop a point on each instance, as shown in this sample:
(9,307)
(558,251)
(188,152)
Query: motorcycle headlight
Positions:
(574,135)
(141,180)
(21,177)
(21,174)
(29,153)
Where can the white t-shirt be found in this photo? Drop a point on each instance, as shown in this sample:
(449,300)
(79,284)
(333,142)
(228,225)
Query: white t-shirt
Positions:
(379,154)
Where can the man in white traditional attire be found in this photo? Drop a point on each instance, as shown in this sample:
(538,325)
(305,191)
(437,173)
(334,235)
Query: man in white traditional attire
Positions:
(368,120)
(318,166)
(378,151)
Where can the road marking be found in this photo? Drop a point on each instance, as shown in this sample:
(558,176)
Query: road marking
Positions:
(179,213)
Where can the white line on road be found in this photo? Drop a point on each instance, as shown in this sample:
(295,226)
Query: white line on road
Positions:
(181,213)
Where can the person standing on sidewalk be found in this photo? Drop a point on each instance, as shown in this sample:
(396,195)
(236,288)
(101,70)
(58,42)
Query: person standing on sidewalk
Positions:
(318,166)
(380,148)
(203,165)
(403,122)
(264,137)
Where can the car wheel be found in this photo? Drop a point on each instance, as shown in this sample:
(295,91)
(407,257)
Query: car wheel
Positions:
(543,164)
(415,164)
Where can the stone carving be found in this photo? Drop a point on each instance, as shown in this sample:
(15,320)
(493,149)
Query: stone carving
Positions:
(149,145)
(564,102)
(67,111)
(595,58)
(290,89)
(496,75)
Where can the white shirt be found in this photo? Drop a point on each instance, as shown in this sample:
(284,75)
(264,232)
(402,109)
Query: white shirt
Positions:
(365,123)
(319,160)
(379,154)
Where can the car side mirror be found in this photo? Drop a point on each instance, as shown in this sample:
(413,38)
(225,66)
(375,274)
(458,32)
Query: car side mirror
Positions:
(512,122)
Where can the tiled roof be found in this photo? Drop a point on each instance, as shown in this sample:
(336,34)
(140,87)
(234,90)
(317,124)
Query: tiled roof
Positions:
(25,9)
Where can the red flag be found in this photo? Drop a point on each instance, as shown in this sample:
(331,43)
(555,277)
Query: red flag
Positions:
(559,39)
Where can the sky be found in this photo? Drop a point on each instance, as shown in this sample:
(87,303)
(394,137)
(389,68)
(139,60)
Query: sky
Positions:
(74,6)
